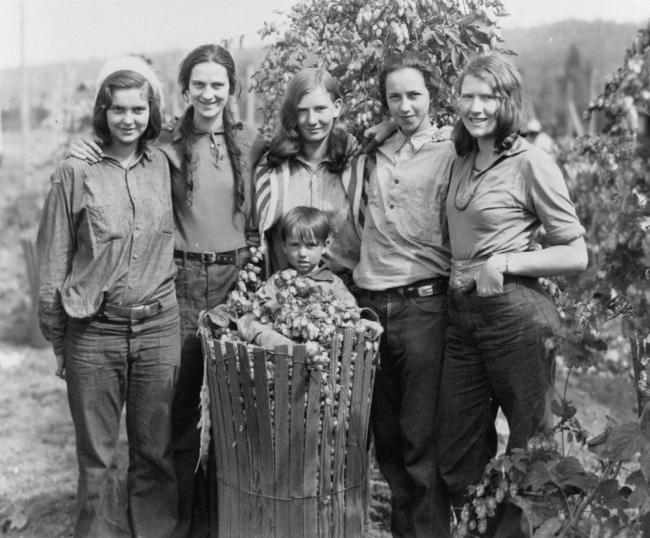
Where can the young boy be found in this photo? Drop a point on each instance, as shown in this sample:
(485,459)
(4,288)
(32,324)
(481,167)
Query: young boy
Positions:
(305,233)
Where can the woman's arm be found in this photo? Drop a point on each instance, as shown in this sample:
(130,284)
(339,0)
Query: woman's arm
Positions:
(55,248)
(551,261)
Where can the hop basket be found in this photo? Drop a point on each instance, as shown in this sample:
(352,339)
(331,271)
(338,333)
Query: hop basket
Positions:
(290,441)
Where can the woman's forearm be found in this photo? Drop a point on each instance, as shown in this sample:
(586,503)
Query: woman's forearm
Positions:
(551,261)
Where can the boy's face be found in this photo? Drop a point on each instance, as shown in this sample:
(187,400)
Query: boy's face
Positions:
(303,255)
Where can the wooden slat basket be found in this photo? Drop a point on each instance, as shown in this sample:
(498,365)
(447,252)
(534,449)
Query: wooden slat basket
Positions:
(290,441)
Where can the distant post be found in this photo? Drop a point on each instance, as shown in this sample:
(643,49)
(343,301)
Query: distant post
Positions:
(24,95)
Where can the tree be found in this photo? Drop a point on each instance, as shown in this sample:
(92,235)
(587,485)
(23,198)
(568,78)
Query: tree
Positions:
(352,38)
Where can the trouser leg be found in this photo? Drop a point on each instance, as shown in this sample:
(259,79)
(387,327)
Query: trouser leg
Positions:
(198,287)
(495,356)
(153,366)
(96,381)
(403,411)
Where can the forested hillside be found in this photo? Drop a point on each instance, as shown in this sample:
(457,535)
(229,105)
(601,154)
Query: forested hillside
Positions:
(583,52)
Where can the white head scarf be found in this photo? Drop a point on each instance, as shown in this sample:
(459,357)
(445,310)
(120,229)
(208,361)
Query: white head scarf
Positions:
(131,63)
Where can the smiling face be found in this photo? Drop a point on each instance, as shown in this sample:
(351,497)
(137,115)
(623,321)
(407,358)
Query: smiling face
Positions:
(316,114)
(127,117)
(208,92)
(477,107)
(303,254)
(408,100)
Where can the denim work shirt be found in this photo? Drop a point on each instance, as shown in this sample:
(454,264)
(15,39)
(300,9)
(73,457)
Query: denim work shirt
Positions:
(106,235)
(403,240)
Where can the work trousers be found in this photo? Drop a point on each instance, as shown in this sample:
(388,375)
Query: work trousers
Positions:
(404,407)
(110,364)
(198,287)
(497,355)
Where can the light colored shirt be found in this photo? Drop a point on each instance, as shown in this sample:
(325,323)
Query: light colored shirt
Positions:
(507,203)
(402,239)
(206,223)
(106,235)
(295,183)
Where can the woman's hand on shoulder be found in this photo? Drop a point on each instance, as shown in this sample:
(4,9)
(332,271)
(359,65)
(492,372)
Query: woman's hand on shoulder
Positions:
(489,280)
(86,150)
(376,135)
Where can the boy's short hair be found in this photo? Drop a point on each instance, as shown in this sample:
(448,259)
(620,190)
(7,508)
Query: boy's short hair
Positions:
(305,223)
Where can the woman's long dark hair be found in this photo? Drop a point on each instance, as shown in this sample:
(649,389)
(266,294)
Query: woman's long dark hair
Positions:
(287,143)
(506,83)
(219,55)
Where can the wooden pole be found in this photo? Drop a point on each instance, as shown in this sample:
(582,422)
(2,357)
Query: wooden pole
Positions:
(24,95)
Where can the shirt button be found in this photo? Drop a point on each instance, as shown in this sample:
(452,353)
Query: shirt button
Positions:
(135,256)
(396,181)
(391,206)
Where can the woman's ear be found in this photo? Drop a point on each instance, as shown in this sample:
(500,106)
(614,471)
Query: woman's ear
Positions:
(338,107)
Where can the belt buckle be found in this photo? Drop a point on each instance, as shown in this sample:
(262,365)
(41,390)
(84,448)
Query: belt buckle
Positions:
(208,257)
(425,291)
(139,312)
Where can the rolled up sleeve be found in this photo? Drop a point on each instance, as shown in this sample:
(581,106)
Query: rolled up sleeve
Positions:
(549,199)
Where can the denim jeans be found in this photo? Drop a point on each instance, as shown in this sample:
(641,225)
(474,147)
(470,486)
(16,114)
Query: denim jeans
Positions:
(496,356)
(198,287)
(404,406)
(110,364)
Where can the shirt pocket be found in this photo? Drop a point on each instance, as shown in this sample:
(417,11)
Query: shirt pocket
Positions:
(420,215)
(108,222)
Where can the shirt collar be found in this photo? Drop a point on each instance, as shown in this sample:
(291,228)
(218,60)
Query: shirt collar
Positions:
(416,140)
(321,273)
(145,154)
(299,158)
(176,133)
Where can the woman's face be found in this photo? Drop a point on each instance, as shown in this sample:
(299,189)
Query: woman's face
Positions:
(477,107)
(316,114)
(128,116)
(408,100)
(208,92)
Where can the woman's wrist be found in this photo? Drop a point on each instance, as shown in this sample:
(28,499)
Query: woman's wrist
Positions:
(501,263)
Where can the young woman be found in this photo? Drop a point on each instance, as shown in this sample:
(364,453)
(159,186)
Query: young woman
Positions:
(502,191)
(403,275)
(211,157)
(308,164)
(108,307)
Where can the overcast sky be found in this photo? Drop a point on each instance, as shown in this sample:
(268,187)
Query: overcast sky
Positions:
(78,29)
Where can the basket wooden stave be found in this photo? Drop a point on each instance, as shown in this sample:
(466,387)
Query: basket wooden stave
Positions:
(275,479)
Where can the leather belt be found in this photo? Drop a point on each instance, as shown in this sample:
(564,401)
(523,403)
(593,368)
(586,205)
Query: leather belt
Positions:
(137,312)
(421,288)
(230,257)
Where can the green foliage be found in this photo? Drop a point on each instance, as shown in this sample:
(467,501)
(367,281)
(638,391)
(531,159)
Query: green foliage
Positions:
(557,494)
(353,38)
(611,186)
